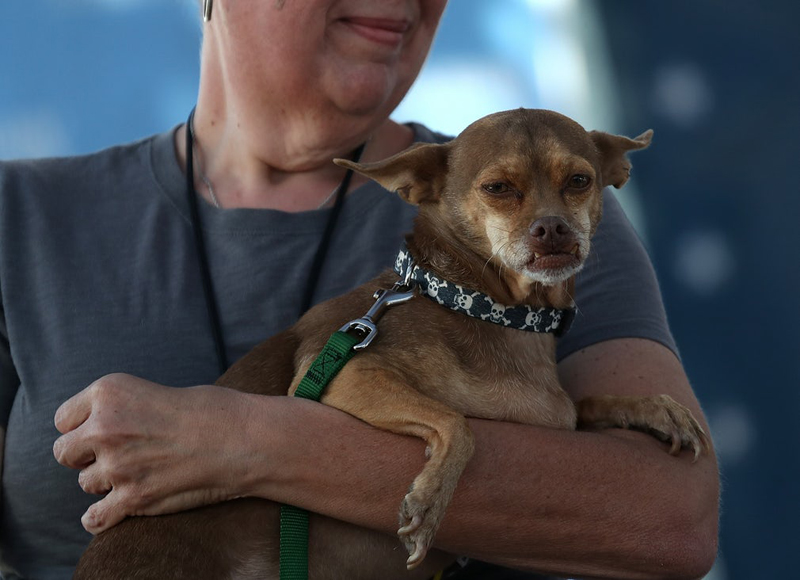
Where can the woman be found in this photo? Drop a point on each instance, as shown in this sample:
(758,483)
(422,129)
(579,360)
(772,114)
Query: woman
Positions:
(101,273)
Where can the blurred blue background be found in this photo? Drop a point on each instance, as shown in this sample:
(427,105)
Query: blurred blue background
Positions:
(715,198)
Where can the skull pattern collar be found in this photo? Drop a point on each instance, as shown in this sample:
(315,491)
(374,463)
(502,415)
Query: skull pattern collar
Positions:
(479,305)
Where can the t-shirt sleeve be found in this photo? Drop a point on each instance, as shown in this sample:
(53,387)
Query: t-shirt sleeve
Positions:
(616,293)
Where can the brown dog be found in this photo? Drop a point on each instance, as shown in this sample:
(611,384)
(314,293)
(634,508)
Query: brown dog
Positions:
(506,214)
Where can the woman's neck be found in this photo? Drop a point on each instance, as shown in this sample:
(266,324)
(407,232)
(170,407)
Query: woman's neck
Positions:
(247,172)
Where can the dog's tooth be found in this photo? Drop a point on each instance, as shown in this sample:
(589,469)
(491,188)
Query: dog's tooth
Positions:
(536,255)
(574,250)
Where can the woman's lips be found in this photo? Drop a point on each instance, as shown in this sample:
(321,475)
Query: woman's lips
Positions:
(385,31)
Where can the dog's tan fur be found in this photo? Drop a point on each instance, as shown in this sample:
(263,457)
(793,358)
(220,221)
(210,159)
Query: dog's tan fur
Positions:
(491,204)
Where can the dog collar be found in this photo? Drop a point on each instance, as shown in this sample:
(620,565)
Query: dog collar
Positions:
(479,305)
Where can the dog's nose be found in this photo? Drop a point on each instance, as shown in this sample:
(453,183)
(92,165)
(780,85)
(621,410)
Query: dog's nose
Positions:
(552,234)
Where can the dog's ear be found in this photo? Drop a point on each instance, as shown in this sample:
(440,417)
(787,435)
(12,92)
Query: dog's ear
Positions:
(417,174)
(614,164)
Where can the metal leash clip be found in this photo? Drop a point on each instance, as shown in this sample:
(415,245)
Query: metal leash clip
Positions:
(401,292)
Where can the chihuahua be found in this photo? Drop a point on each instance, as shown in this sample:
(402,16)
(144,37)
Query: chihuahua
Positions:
(506,215)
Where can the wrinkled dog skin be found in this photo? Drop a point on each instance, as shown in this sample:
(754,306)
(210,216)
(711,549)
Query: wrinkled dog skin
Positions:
(508,209)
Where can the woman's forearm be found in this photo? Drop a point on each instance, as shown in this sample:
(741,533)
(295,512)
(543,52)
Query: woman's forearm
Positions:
(612,504)
(568,503)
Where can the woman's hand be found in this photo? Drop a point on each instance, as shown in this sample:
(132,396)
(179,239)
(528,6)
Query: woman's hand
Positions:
(154,449)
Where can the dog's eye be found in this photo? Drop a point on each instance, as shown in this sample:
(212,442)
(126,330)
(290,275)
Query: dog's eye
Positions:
(579,181)
(496,188)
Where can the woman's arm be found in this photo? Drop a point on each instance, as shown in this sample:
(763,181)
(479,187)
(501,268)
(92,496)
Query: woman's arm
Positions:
(612,504)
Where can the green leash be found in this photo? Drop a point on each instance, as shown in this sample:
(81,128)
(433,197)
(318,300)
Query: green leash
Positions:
(339,349)
(335,354)
(294,520)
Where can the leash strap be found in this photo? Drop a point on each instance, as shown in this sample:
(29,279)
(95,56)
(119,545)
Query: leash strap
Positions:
(294,521)
(294,543)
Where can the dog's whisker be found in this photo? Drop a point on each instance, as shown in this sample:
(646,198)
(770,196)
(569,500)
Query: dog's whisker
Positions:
(505,231)
(486,263)
(539,296)
(494,254)
(571,296)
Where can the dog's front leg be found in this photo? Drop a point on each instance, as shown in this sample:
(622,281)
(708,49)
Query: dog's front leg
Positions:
(659,415)
(382,398)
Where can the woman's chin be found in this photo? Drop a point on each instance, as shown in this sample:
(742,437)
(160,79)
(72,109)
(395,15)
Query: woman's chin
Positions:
(367,92)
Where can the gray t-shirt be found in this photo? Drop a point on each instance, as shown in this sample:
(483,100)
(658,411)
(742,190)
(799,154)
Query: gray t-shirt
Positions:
(98,274)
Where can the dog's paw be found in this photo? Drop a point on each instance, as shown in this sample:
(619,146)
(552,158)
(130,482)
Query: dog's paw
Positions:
(659,415)
(420,515)
(672,422)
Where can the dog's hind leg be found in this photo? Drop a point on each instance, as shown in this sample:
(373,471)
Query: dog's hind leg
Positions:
(212,542)
(218,542)
(268,369)
(383,399)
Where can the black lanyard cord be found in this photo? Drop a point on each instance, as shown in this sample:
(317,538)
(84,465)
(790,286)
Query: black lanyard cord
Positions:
(202,255)
(325,242)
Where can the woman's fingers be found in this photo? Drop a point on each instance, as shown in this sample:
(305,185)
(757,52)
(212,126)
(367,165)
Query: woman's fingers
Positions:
(92,479)
(74,450)
(103,515)
(153,449)
(74,411)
